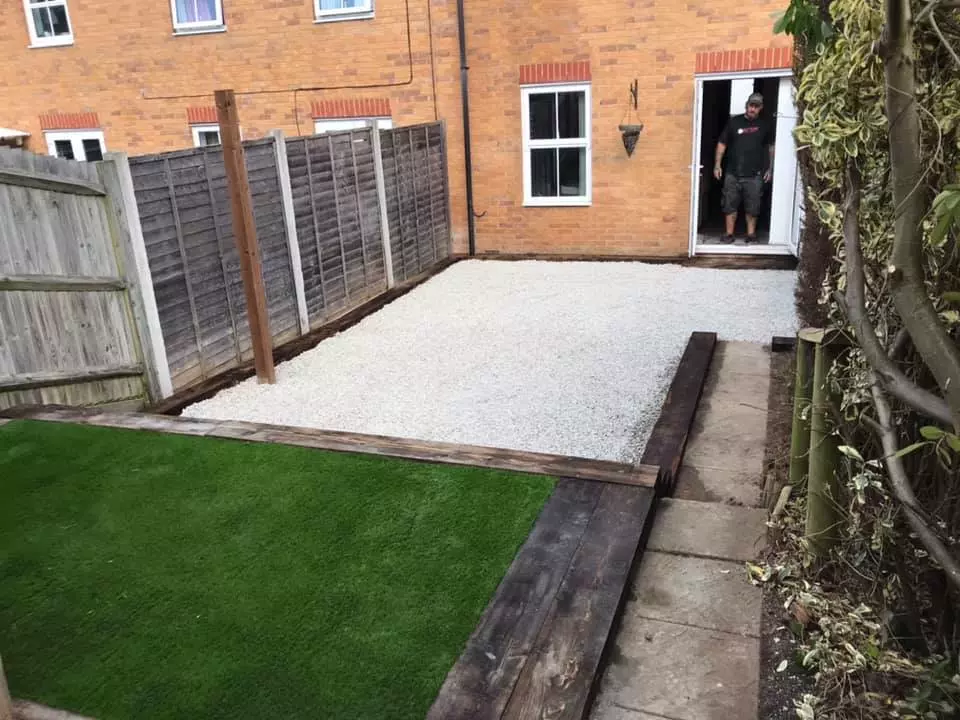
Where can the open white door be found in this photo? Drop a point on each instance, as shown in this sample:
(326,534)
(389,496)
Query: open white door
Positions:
(784,213)
(696,169)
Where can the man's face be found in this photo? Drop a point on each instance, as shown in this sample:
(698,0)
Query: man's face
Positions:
(753,111)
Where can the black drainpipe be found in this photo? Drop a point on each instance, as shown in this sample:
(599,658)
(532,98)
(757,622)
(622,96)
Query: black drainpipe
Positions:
(468,158)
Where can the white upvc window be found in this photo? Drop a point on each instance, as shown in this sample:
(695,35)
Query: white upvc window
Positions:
(196,16)
(343,124)
(48,22)
(556,145)
(76,144)
(327,10)
(205,135)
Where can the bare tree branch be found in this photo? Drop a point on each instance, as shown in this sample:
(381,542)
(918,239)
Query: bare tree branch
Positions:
(902,491)
(908,283)
(943,39)
(855,304)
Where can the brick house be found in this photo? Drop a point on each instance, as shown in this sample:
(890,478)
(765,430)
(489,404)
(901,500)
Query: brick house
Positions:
(549,85)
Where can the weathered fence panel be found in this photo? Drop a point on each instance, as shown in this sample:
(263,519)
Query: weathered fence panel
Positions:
(67,329)
(337,214)
(417,194)
(184,208)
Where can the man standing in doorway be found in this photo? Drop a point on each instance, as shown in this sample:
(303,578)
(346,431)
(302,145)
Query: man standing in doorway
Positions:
(749,165)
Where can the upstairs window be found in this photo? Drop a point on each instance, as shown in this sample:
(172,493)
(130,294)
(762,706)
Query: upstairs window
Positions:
(343,9)
(556,145)
(191,16)
(48,22)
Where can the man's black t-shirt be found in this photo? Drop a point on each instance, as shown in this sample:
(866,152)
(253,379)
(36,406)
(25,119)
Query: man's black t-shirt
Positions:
(747,142)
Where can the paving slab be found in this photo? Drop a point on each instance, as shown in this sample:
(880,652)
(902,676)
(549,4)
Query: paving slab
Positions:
(682,672)
(718,486)
(711,594)
(743,357)
(612,711)
(711,530)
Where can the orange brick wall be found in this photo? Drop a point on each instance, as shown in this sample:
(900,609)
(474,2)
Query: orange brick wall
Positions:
(640,204)
(126,53)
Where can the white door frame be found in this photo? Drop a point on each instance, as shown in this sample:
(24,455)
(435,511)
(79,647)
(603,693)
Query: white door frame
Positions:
(789,155)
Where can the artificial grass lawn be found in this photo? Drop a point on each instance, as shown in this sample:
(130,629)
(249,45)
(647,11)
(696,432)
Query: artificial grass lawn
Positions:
(155,576)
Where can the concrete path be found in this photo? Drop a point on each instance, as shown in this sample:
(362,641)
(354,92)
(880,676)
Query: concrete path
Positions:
(689,644)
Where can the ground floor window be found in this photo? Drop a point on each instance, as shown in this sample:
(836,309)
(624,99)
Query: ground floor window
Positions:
(342,124)
(556,145)
(205,135)
(76,144)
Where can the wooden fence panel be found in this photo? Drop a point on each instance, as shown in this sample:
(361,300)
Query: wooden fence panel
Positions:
(415,175)
(337,214)
(66,329)
(185,216)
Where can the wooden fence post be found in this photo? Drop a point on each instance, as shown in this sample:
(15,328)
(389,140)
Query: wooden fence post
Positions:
(382,201)
(802,391)
(290,222)
(823,517)
(245,232)
(116,177)
(6,704)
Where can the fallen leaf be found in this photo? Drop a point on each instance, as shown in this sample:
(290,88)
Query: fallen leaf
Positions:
(782,666)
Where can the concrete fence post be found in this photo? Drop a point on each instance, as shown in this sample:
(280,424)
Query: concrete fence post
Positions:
(118,180)
(382,201)
(290,223)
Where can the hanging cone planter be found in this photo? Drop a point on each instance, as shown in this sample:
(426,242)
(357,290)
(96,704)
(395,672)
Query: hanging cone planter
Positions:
(631,134)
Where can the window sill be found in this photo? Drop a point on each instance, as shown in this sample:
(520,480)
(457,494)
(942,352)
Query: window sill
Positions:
(323,19)
(58,42)
(200,31)
(557,202)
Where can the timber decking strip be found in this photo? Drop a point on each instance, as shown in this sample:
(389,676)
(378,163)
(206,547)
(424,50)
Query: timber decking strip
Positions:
(669,437)
(539,648)
(444,453)
(483,679)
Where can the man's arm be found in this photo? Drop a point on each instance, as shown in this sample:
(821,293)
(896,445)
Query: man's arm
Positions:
(768,175)
(721,149)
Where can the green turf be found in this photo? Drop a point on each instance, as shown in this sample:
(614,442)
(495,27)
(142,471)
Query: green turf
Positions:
(153,576)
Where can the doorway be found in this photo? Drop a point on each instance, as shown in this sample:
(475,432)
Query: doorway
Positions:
(718,97)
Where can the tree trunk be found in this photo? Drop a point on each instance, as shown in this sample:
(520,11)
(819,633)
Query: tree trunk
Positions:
(907,280)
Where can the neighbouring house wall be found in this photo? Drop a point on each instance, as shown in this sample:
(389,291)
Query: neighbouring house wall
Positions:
(640,204)
(125,53)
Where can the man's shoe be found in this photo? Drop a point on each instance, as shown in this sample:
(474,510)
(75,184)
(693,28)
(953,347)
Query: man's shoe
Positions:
(726,239)
(752,240)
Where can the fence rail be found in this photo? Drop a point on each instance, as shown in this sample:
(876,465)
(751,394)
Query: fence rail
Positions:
(120,280)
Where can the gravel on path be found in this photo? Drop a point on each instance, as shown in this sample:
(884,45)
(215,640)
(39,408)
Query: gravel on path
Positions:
(572,358)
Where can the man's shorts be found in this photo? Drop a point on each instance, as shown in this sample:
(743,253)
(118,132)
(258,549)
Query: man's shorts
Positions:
(748,189)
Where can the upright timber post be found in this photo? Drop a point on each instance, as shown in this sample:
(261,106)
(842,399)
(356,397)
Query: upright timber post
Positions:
(245,232)
(802,396)
(823,511)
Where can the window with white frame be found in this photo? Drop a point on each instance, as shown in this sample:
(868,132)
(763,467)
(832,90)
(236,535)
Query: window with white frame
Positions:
(343,9)
(342,124)
(205,135)
(86,145)
(556,145)
(48,22)
(197,15)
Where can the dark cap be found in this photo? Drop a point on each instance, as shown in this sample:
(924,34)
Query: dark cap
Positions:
(755,99)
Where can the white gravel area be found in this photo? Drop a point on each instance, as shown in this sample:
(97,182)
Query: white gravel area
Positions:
(572,358)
